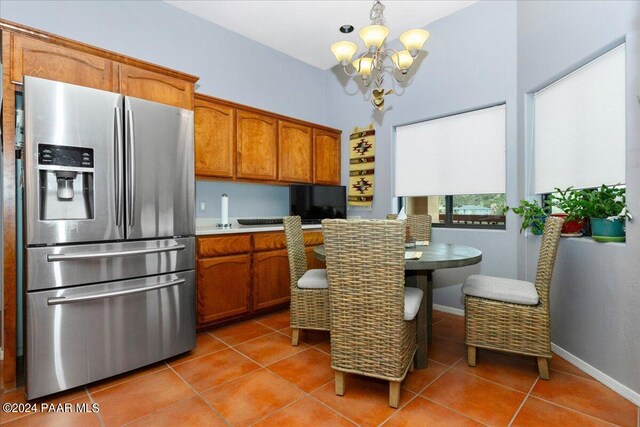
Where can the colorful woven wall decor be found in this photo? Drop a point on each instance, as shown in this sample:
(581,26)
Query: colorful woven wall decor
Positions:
(362,156)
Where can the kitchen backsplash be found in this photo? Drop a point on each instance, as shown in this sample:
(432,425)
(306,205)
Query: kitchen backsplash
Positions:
(245,200)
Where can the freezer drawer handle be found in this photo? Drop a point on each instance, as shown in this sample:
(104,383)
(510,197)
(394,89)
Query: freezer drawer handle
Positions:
(96,255)
(70,300)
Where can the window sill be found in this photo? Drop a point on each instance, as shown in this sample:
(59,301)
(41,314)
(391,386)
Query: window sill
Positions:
(467,228)
(583,240)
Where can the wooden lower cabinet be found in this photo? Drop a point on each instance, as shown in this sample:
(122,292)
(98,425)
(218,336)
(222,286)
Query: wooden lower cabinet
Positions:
(270,279)
(313,262)
(243,275)
(223,287)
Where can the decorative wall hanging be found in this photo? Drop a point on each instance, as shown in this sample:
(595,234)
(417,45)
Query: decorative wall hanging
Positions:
(362,156)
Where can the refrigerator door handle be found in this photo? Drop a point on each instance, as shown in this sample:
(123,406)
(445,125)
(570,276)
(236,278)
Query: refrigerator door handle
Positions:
(131,170)
(118,163)
(70,300)
(97,255)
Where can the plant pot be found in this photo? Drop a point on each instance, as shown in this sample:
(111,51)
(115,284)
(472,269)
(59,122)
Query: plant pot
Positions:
(570,227)
(603,230)
(535,229)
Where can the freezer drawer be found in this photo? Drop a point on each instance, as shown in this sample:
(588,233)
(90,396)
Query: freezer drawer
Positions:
(79,335)
(61,266)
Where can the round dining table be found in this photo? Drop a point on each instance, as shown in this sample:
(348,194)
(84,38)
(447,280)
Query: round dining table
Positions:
(419,273)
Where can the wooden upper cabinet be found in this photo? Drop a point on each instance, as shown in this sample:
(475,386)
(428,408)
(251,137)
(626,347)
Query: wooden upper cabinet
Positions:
(326,163)
(214,139)
(145,84)
(257,148)
(295,152)
(237,142)
(32,57)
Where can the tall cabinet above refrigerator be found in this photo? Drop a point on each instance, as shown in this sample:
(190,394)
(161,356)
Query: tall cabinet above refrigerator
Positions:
(109,234)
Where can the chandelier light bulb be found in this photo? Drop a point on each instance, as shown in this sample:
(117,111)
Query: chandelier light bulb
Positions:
(373,36)
(413,40)
(403,60)
(363,65)
(344,51)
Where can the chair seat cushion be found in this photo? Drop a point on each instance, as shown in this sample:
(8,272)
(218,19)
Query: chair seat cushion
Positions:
(501,289)
(314,279)
(412,299)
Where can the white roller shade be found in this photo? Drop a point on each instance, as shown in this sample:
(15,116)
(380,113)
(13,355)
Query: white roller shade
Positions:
(579,127)
(460,154)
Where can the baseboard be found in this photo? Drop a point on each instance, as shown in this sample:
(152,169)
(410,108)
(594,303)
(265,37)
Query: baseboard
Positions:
(450,310)
(605,379)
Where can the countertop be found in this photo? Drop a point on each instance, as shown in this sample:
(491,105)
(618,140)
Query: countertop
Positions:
(207,226)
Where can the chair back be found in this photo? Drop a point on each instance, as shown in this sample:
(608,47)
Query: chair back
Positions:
(365,268)
(295,249)
(419,225)
(547,259)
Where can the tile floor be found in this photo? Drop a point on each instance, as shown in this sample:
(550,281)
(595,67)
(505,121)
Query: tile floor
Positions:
(249,374)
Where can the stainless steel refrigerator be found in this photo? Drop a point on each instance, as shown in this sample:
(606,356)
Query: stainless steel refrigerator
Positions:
(109,234)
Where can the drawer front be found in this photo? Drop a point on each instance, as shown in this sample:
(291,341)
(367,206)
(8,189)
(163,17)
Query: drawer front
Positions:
(223,245)
(313,238)
(86,333)
(269,241)
(60,266)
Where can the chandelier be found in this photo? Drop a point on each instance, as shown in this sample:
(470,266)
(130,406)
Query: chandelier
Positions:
(377,58)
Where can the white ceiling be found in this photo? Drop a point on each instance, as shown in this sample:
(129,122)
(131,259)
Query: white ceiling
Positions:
(305,29)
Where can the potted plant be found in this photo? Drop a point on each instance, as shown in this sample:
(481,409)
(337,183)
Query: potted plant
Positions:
(533,215)
(607,209)
(573,206)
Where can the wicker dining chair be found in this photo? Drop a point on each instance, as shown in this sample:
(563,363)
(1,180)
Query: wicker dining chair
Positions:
(513,315)
(309,307)
(419,225)
(373,324)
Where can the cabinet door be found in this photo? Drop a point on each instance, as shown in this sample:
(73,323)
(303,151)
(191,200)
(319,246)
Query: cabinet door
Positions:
(295,152)
(223,287)
(31,57)
(326,155)
(313,262)
(270,279)
(145,84)
(214,139)
(256,146)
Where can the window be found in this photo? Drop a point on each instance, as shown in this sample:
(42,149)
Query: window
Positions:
(453,168)
(579,127)
(462,210)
